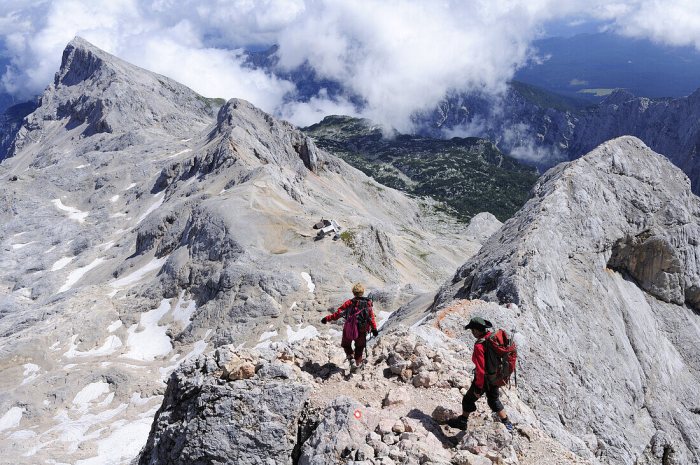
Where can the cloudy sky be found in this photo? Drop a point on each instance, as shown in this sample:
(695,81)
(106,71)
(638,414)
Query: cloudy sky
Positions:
(399,56)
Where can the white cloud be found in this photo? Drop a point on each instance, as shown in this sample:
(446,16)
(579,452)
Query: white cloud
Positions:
(307,113)
(672,22)
(398,56)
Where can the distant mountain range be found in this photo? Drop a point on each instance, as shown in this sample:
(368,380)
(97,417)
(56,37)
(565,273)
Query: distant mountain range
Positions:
(545,129)
(544,118)
(592,65)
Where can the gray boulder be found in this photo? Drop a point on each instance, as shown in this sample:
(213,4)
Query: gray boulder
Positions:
(341,434)
(205,419)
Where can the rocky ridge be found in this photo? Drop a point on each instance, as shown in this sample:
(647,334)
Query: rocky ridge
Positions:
(141,230)
(302,405)
(603,264)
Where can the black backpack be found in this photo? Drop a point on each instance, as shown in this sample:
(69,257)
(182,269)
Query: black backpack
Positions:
(361,310)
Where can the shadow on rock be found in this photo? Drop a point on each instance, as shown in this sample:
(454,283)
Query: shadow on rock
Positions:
(323,372)
(434,427)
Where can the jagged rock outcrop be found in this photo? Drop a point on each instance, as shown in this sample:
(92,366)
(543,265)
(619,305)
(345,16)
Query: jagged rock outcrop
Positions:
(207,419)
(603,263)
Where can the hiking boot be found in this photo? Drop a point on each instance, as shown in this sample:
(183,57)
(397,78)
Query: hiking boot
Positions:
(509,426)
(458,422)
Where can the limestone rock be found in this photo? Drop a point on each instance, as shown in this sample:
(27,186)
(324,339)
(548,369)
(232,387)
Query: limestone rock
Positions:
(395,396)
(340,433)
(608,253)
(464,457)
(442,414)
(200,415)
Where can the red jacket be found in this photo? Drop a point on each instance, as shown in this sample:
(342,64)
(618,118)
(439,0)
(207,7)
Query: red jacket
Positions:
(479,359)
(341,313)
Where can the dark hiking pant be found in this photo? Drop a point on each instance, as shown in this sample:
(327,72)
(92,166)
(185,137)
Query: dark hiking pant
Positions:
(492,398)
(360,344)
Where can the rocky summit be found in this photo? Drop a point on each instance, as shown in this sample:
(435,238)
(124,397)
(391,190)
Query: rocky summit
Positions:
(603,263)
(144,224)
(163,286)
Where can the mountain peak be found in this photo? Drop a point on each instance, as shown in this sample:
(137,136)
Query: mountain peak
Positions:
(617,97)
(80,61)
(100,93)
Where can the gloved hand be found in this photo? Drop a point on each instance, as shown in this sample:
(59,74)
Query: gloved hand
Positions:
(375,333)
(324,320)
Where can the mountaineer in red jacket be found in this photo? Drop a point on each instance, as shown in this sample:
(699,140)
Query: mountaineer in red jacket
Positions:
(480,385)
(359,320)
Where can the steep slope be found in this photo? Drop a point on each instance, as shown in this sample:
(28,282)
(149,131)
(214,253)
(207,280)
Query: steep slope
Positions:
(469,175)
(140,230)
(603,263)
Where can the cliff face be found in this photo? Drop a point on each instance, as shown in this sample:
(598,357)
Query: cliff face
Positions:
(545,132)
(604,263)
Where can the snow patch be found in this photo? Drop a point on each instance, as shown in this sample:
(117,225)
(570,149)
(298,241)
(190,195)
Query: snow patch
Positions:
(300,334)
(109,347)
(179,153)
(107,245)
(115,325)
(184,309)
(22,434)
(61,263)
(197,350)
(419,322)
(117,215)
(139,401)
(75,275)
(31,372)
(114,198)
(309,283)
(89,394)
(160,197)
(73,213)
(108,400)
(267,335)
(152,341)
(21,246)
(11,419)
(80,167)
(124,443)
(137,275)
(130,186)
(75,431)
(382,318)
